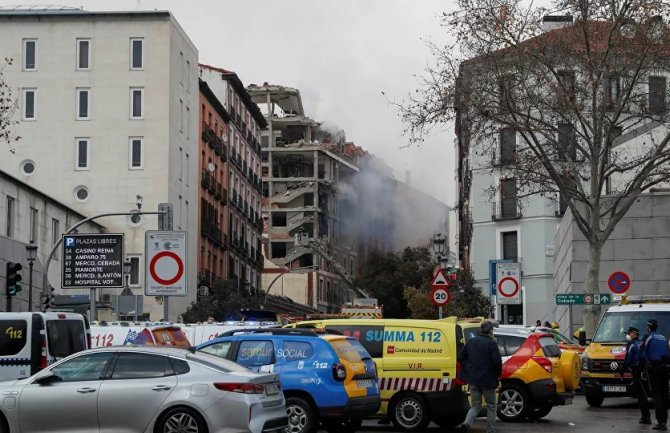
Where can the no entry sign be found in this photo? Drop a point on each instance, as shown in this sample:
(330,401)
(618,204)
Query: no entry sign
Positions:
(165,263)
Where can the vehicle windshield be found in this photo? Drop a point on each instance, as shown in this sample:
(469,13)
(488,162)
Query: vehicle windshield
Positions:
(613,324)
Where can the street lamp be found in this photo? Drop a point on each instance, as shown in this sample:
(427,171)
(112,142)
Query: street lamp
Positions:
(439,242)
(31,255)
(312,268)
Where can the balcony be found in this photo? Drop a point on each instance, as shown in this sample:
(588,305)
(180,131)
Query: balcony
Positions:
(214,141)
(204,277)
(213,233)
(506,209)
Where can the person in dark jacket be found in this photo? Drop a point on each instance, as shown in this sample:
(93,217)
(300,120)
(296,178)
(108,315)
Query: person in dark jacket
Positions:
(482,366)
(656,355)
(632,363)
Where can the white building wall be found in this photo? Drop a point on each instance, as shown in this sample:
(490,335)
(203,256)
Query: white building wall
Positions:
(49,140)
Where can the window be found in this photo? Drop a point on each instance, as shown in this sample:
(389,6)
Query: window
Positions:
(181,116)
(188,123)
(188,169)
(657,90)
(507,146)
(10,216)
(30,54)
(218,349)
(508,196)
(66,337)
(188,76)
(181,163)
(29,104)
(83,368)
(181,63)
(613,90)
(136,153)
(506,92)
(297,350)
(510,249)
(512,344)
(34,220)
(567,147)
(83,54)
(255,353)
(371,337)
(136,103)
(566,81)
(136,53)
(55,233)
(83,104)
(141,366)
(134,271)
(82,154)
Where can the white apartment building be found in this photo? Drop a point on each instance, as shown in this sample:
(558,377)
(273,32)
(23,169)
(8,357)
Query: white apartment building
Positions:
(108,111)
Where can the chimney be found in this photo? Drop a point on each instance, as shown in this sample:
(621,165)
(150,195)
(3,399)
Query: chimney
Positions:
(551,22)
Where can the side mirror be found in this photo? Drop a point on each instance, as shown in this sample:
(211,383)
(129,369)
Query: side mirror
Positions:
(47,378)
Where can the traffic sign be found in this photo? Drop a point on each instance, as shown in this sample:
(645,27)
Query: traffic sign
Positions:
(618,282)
(165,253)
(440,280)
(582,299)
(440,297)
(92,260)
(508,277)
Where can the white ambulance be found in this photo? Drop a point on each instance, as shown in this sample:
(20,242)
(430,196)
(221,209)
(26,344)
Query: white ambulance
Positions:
(30,342)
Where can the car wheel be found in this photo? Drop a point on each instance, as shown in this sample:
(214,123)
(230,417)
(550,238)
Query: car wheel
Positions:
(349,425)
(513,403)
(179,420)
(594,400)
(539,412)
(409,413)
(301,417)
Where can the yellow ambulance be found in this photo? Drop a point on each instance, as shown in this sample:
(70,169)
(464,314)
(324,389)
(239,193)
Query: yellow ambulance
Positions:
(416,364)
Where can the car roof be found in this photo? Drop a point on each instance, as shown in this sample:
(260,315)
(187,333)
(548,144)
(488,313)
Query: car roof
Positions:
(178,352)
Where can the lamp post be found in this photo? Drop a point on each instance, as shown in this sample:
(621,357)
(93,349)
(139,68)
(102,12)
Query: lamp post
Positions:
(439,242)
(31,255)
(312,268)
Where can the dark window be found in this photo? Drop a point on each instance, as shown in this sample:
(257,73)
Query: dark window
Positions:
(134,271)
(29,104)
(507,146)
(506,92)
(10,216)
(371,337)
(13,336)
(137,55)
(30,55)
(83,58)
(180,366)
(295,351)
(136,109)
(33,226)
(65,337)
(278,249)
(309,199)
(566,142)
(256,353)
(500,340)
(82,153)
(613,89)
(550,347)
(83,368)
(141,366)
(136,153)
(657,90)
(509,245)
(278,219)
(566,80)
(82,103)
(218,349)
(508,197)
(512,344)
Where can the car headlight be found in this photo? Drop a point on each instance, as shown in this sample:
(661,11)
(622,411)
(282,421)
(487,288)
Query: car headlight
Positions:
(586,363)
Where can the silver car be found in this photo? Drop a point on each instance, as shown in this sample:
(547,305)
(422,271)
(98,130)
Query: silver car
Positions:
(143,389)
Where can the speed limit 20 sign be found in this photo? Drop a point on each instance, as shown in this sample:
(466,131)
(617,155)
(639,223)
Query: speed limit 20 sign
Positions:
(440,297)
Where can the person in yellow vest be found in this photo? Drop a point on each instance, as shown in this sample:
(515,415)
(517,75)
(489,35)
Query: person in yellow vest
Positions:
(554,325)
(580,336)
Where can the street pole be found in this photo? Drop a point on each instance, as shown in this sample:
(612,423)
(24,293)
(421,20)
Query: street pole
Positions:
(440,312)
(45,276)
(166,308)
(30,285)
(92,313)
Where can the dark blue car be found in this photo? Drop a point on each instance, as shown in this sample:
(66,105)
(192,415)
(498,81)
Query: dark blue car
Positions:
(329,379)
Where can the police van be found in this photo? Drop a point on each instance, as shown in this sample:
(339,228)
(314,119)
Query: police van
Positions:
(30,342)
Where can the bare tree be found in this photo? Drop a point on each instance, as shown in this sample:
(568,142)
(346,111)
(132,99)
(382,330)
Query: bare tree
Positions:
(587,102)
(9,105)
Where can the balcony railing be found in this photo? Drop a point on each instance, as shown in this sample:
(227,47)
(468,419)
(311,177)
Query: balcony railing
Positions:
(214,141)
(213,233)
(507,208)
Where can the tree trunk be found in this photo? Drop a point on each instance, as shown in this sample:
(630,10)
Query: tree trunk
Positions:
(592,312)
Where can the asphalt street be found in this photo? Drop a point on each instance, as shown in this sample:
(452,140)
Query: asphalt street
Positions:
(615,416)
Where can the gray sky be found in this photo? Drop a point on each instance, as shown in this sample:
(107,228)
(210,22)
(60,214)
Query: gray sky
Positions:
(341,54)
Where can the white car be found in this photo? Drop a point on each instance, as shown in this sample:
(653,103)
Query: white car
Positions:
(143,389)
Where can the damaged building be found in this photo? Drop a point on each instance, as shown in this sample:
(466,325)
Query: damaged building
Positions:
(304,166)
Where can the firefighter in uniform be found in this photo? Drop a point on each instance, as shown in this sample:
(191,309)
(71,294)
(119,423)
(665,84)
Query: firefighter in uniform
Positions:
(656,354)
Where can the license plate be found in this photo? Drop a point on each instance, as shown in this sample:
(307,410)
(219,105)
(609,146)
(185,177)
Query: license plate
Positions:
(364,383)
(613,388)
(271,389)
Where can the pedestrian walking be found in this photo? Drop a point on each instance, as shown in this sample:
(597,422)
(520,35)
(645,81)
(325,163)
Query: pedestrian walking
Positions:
(632,363)
(482,366)
(656,355)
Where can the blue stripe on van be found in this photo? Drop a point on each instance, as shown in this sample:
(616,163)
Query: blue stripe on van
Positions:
(17,361)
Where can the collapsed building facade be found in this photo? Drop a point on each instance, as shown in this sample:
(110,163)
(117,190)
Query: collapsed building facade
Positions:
(306,170)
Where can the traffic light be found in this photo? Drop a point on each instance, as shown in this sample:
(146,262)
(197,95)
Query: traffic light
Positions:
(13,277)
(48,301)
